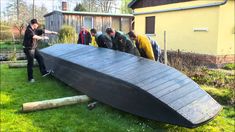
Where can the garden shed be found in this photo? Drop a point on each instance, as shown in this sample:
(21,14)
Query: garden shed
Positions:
(54,20)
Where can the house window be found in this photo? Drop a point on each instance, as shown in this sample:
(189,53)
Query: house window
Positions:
(88,22)
(150,25)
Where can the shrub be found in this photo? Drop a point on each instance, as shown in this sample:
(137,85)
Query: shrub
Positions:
(230,66)
(8,42)
(67,34)
(5,32)
(5,27)
(214,78)
(5,35)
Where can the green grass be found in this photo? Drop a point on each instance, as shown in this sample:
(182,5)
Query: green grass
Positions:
(218,78)
(15,90)
(230,66)
(9,46)
(224,96)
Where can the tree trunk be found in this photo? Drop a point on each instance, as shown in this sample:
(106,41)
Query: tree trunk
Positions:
(47,104)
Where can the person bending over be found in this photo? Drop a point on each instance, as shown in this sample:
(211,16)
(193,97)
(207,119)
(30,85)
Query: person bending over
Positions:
(121,42)
(101,39)
(143,44)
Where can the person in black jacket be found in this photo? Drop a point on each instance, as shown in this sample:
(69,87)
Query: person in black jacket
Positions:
(84,37)
(101,39)
(32,35)
(121,42)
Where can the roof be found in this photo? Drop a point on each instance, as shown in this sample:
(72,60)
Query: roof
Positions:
(212,4)
(150,3)
(88,13)
(132,3)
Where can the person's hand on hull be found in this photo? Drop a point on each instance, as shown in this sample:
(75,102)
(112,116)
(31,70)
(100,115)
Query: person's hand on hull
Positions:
(45,38)
(50,32)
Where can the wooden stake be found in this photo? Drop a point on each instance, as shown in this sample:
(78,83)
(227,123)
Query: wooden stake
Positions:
(165,49)
(47,104)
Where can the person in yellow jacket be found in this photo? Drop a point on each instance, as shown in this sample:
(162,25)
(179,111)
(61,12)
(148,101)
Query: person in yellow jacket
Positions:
(93,41)
(143,44)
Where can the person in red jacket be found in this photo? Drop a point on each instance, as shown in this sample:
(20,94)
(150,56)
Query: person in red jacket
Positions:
(84,37)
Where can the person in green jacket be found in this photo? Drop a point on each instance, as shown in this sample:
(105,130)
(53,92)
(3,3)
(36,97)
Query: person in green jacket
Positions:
(122,42)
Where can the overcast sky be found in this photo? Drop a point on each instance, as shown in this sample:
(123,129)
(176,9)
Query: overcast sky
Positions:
(49,4)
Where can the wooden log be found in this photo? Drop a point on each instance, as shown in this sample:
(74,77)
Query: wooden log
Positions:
(47,104)
(18,61)
(19,65)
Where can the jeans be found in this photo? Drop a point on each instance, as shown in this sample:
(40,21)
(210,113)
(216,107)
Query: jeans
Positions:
(31,54)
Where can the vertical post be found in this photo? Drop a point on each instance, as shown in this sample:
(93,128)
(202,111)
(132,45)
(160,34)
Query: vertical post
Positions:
(1,14)
(53,5)
(18,12)
(33,9)
(89,5)
(165,49)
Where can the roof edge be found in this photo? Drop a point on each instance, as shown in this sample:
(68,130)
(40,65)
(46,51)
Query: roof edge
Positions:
(89,13)
(132,3)
(183,8)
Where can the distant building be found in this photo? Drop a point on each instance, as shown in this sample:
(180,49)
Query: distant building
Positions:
(56,19)
(204,28)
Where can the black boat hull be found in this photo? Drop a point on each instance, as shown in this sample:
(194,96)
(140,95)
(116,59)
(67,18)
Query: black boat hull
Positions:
(132,84)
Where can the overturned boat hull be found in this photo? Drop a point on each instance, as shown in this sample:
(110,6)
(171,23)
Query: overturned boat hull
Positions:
(133,84)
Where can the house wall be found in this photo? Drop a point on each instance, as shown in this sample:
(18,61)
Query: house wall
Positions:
(226,29)
(54,21)
(180,26)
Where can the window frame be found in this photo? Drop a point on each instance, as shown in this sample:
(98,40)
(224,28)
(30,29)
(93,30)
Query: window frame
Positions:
(92,21)
(147,23)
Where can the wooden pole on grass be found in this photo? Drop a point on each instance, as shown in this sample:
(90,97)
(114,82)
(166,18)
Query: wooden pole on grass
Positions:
(47,104)
(19,65)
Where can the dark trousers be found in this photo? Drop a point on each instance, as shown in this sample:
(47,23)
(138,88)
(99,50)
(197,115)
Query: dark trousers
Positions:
(31,54)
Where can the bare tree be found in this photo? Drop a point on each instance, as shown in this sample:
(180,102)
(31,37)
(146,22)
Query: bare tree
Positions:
(106,6)
(89,5)
(19,14)
(124,7)
(18,11)
(40,12)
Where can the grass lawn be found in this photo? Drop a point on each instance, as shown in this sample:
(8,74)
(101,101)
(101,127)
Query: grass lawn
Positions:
(15,90)
(9,46)
(6,47)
